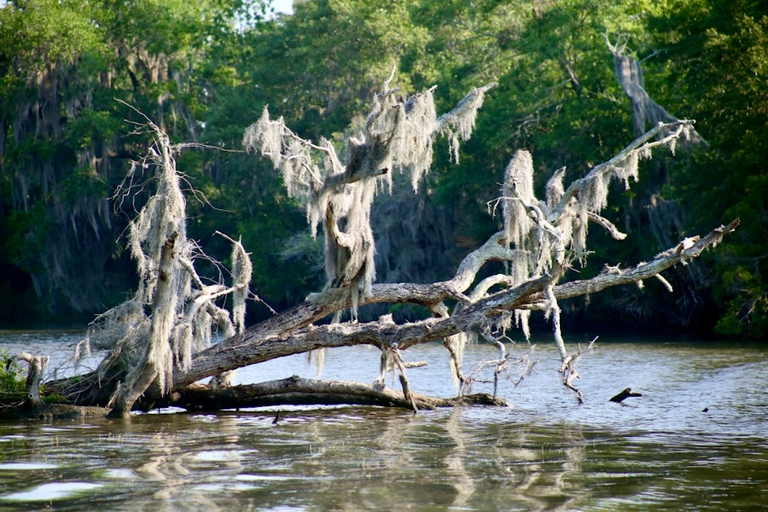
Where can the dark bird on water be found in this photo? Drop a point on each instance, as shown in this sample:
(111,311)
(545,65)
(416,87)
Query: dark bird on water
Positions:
(624,394)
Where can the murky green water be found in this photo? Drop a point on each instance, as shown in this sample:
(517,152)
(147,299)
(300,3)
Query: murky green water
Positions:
(661,451)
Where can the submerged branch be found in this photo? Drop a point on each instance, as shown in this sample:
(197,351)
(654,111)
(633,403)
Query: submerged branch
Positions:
(298,391)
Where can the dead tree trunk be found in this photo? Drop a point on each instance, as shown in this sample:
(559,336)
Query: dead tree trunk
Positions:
(163,307)
(255,345)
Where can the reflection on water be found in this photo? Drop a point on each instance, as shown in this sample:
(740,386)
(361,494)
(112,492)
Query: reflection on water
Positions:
(658,451)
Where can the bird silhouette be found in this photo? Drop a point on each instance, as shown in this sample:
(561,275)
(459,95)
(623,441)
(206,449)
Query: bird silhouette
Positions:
(624,394)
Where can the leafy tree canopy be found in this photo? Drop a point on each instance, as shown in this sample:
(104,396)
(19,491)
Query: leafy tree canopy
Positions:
(205,70)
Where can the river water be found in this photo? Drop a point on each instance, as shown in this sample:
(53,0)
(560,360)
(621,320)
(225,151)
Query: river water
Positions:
(696,440)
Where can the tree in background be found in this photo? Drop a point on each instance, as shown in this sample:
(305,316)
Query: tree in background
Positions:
(716,64)
(205,71)
(63,141)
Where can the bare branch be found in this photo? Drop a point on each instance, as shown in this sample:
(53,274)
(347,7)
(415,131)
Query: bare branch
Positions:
(607,225)
(251,347)
(639,146)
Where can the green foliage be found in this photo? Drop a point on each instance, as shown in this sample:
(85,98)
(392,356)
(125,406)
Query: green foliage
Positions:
(63,144)
(37,33)
(557,97)
(11,380)
(717,67)
(27,231)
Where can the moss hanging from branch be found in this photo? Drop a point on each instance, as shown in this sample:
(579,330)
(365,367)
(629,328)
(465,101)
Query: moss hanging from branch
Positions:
(541,231)
(172,314)
(645,111)
(540,239)
(397,133)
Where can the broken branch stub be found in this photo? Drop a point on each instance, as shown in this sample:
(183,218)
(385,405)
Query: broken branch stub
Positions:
(37,365)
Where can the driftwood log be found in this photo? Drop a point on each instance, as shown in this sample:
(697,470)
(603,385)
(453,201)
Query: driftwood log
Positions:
(299,391)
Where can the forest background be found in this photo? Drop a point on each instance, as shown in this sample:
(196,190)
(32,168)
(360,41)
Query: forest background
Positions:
(70,71)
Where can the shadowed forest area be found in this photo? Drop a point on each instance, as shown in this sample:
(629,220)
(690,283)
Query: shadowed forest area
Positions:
(75,76)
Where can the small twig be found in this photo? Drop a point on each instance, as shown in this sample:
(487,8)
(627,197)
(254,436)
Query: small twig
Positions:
(569,373)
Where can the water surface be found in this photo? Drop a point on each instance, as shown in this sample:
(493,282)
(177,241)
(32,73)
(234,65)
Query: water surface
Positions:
(661,451)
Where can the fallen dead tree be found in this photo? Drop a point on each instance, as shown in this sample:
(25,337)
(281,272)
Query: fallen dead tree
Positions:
(298,391)
(159,340)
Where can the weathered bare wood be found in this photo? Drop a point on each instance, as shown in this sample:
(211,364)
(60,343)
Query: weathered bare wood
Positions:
(288,333)
(298,391)
(320,305)
(162,321)
(681,253)
(537,252)
(37,366)
(671,131)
